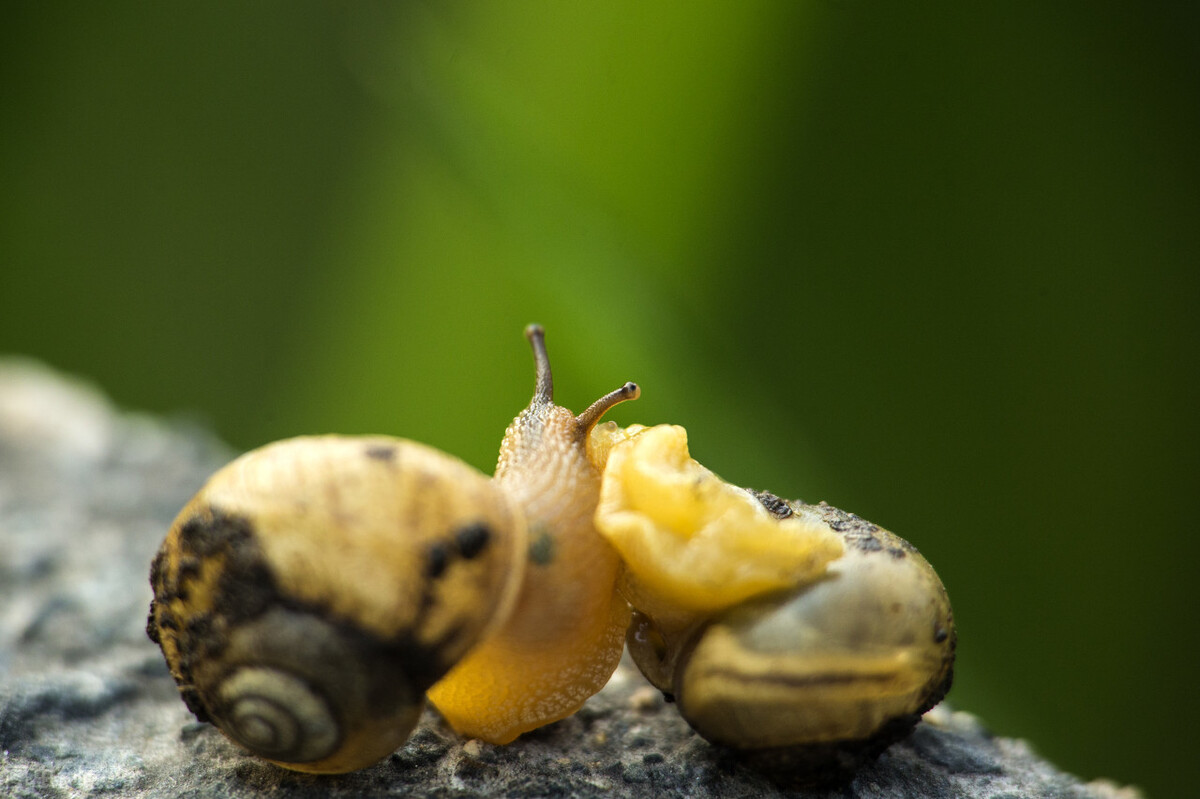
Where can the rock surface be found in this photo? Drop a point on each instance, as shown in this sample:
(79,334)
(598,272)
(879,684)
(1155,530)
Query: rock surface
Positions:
(87,707)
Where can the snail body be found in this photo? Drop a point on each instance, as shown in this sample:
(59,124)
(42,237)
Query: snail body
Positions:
(564,638)
(314,589)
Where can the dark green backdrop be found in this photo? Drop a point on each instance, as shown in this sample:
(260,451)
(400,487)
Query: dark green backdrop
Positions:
(933,264)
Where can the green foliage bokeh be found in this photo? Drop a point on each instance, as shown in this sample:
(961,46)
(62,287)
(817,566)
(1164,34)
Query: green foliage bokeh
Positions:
(932,264)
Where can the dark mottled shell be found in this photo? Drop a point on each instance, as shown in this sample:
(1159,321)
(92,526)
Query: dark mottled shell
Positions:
(315,588)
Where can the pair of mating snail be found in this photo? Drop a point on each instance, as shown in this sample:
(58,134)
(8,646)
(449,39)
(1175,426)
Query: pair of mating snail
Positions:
(316,589)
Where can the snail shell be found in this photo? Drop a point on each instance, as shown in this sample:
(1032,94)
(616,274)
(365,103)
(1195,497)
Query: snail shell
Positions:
(855,657)
(815,641)
(313,590)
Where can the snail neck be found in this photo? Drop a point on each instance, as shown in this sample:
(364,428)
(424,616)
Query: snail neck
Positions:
(543,464)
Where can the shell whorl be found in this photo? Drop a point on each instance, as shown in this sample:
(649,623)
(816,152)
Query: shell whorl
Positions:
(301,689)
(277,715)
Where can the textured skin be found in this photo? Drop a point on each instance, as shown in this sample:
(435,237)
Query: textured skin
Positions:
(564,639)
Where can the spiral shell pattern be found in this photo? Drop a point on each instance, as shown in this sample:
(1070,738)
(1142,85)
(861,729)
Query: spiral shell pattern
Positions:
(277,715)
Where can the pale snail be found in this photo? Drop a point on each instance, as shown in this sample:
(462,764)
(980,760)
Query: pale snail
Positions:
(316,587)
(800,635)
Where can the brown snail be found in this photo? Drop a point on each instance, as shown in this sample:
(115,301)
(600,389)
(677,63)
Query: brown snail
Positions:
(314,590)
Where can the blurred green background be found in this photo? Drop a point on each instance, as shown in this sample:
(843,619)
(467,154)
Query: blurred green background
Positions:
(930,263)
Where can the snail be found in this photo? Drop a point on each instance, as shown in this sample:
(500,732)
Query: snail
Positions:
(315,589)
(801,636)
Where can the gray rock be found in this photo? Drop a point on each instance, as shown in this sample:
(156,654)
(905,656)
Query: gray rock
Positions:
(87,707)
